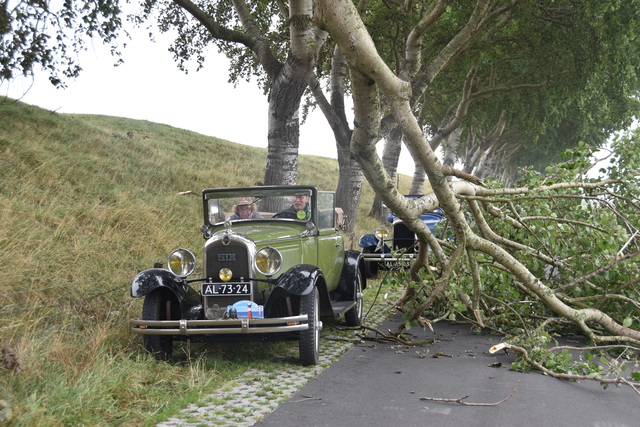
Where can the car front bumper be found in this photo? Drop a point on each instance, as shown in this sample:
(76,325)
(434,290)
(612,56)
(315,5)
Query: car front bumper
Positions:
(220,327)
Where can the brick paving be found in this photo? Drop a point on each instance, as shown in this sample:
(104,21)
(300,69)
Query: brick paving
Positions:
(254,394)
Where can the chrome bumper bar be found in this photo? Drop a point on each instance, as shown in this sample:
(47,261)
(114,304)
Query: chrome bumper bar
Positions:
(388,257)
(219,327)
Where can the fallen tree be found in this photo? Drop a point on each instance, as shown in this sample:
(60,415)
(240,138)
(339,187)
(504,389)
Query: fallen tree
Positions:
(565,254)
(557,252)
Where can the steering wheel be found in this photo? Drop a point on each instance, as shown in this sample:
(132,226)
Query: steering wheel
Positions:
(284,214)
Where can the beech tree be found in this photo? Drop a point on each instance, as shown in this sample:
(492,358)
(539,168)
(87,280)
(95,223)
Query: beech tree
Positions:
(278,38)
(510,250)
(351,177)
(532,69)
(278,42)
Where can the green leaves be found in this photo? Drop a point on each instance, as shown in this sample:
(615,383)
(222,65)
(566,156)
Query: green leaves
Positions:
(581,241)
(39,34)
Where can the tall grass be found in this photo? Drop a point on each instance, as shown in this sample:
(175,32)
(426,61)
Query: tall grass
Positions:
(85,203)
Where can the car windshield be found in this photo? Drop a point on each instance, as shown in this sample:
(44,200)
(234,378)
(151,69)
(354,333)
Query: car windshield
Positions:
(253,204)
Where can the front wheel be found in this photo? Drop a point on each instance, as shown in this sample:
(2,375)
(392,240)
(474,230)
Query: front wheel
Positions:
(310,338)
(157,306)
(353,317)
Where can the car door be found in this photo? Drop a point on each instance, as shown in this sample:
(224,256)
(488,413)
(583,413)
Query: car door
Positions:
(330,241)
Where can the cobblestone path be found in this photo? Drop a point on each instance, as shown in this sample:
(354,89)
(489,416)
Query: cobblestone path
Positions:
(254,394)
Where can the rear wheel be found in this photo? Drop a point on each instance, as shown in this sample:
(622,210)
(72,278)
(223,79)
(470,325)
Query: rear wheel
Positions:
(157,306)
(310,338)
(353,317)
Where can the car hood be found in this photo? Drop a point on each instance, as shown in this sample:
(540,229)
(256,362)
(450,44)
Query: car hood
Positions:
(261,233)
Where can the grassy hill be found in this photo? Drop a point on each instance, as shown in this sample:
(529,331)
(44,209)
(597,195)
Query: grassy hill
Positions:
(84,194)
(85,203)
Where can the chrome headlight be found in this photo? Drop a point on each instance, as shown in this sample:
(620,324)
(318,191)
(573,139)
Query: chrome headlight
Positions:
(268,261)
(382,233)
(181,262)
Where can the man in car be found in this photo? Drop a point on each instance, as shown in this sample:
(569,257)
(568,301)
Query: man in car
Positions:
(299,208)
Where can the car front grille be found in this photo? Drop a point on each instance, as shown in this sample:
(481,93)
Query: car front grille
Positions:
(403,238)
(233,256)
(236,257)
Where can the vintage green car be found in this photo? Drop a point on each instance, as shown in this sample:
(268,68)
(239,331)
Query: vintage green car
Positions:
(274,263)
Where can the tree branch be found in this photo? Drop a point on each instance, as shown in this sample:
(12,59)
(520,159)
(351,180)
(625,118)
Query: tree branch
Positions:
(252,39)
(573,377)
(462,402)
(598,271)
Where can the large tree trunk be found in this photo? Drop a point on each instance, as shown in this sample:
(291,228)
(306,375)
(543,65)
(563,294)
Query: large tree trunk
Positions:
(450,146)
(288,81)
(283,134)
(288,85)
(349,187)
(350,176)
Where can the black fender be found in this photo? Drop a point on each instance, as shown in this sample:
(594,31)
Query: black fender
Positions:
(150,280)
(368,240)
(297,281)
(353,263)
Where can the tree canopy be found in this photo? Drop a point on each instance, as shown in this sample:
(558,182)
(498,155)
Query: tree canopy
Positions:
(37,34)
(552,73)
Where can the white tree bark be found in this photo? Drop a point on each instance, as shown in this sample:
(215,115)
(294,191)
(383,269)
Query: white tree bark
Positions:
(287,89)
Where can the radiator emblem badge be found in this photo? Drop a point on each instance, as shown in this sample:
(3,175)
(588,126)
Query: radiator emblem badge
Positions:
(226,257)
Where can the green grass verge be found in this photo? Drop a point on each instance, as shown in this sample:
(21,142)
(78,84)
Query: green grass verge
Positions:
(85,203)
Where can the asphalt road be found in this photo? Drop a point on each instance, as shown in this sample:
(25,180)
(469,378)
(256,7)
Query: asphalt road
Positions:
(382,385)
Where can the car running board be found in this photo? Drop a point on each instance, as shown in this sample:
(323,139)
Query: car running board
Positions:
(341,307)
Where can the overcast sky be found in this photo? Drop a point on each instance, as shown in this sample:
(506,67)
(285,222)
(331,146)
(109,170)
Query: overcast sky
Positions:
(149,86)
